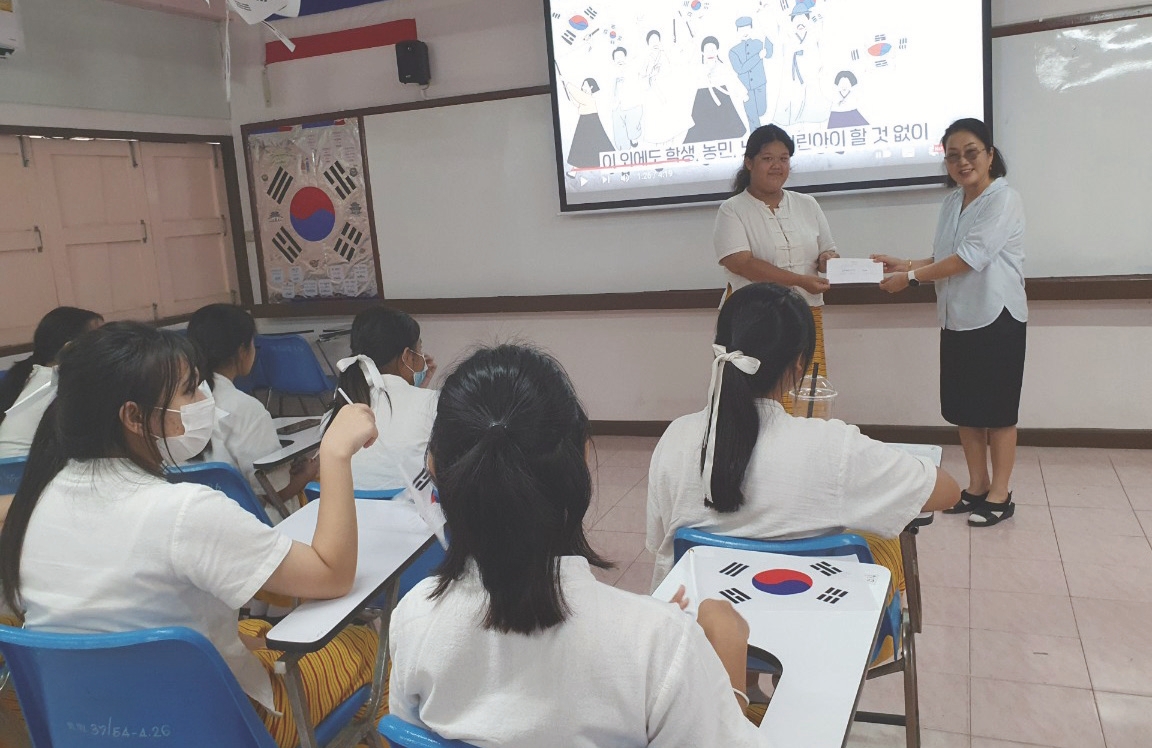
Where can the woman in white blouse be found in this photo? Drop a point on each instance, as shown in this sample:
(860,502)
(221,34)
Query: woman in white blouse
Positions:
(30,385)
(224,336)
(514,643)
(389,371)
(744,467)
(977,266)
(765,233)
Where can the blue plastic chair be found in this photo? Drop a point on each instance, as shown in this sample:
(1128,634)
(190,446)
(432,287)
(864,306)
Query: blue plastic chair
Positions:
(224,478)
(400,734)
(896,622)
(421,567)
(11,471)
(291,368)
(169,686)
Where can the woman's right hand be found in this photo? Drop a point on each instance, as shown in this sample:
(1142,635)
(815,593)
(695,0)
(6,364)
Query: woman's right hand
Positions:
(891,264)
(353,429)
(814,284)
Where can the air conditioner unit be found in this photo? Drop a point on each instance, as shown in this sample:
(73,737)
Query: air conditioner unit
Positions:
(11,35)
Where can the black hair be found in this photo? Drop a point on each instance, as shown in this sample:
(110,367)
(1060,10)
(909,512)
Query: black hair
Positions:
(845,74)
(219,332)
(593,86)
(770,323)
(122,362)
(652,33)
(983,133)
(380,333)
(759,138)
(619,49)
(708,40)
(57,329)
(508,454)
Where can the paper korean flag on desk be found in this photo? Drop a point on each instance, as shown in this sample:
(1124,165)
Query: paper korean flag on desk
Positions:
(752,580)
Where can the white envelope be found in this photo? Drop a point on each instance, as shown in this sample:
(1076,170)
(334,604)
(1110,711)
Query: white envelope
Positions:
(854,270)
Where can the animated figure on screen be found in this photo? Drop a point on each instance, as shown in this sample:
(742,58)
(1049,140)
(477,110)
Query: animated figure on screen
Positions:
(667,99)
(713,113)
(844,103)
(801,99)
(589,140)
(627,96)
(747,59)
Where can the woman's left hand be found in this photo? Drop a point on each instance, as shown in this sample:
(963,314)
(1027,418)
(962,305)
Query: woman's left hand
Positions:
(822,260)
(895,283)
(431,371)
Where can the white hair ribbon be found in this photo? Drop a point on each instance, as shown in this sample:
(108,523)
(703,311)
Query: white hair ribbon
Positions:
(746,364)
(367,365)
(44,391)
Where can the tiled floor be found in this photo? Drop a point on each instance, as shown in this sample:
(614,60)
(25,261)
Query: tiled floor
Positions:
(1038,632)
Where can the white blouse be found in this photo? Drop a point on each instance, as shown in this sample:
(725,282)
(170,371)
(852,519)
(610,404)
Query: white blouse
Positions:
(18,428)
(807,476)
(989,236)
(113,548)
(404,416)
(245,434)
(623,671)
(791,238)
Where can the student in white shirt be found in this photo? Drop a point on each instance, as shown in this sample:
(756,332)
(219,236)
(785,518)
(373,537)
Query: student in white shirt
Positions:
(30,381)
(978,270)
(97,541)
(224,336)
(389,371)
(514,643)
(745,467)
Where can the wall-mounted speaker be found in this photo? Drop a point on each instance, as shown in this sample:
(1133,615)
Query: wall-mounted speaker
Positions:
(412,62)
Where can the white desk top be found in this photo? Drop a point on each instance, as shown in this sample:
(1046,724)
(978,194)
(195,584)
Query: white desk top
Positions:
(932,451)
(390,535)
(298,443)
(824,648)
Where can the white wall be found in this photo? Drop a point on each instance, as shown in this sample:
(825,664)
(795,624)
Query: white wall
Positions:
(100,65)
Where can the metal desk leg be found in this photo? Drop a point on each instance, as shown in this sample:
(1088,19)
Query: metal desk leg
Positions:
(912,578)
(272,494)
(288,667)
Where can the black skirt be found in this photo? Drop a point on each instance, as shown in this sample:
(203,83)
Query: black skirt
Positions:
(981,372)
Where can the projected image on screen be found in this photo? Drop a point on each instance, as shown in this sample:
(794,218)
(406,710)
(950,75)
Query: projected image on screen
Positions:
(654,99)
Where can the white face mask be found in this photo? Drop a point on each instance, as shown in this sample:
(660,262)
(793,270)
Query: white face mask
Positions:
(199,420)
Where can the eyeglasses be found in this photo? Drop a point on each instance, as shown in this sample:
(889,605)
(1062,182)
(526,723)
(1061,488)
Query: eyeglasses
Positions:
(969,155)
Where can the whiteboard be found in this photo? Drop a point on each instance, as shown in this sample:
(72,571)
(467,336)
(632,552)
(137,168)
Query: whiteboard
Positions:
(466,202)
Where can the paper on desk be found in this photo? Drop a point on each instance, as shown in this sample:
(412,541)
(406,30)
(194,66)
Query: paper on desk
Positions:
(422,493)
(854,270)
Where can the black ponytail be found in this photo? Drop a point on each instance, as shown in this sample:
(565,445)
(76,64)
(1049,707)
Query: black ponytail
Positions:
(382,334)
(219,332)
(122,362)
(56,329)
(508,453)
(774,325)
(759,138)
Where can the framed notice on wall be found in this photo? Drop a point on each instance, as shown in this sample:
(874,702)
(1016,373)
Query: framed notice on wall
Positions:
(312,203)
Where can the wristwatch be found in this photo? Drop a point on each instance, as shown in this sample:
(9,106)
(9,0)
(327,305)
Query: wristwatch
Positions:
(912,279)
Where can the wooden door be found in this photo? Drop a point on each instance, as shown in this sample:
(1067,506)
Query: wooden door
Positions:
(95,226)
(195,263)
(27,284)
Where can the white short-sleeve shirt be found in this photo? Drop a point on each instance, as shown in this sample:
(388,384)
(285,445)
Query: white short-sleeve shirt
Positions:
(18,428)
(989,236)
(245,434)
(807,476)
(623,671)
(791,238)
(111,548)
(404,416)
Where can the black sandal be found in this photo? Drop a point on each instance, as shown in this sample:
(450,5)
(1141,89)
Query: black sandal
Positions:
(990,513)
(967,503)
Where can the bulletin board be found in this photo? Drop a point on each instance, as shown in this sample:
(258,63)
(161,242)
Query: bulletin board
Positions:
(312,213)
